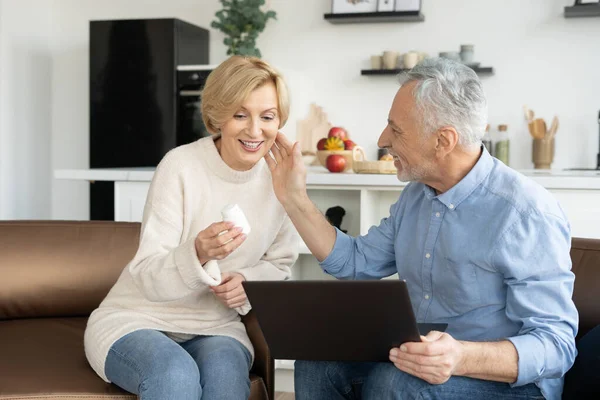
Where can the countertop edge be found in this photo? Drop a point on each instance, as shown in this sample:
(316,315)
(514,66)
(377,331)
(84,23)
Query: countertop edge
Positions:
(318,177)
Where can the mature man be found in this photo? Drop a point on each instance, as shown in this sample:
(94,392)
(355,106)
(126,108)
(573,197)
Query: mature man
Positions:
(481,247)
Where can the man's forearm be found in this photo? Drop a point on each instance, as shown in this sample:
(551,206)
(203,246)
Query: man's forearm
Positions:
(318,234)
(492,361)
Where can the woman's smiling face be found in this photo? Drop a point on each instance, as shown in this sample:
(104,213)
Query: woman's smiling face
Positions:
(249,134)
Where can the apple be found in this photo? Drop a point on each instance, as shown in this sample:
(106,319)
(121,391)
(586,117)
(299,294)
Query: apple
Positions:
(349,144)
(335,163)
(321,144)
(337,131)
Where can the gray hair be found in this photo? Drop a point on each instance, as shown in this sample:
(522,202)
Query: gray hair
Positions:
(448,93)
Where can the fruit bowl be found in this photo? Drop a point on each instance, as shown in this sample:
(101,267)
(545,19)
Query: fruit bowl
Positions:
(323,154)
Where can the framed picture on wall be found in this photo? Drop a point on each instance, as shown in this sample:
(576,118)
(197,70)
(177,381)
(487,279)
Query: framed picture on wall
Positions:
(407,5)
(353,6)
(385,5)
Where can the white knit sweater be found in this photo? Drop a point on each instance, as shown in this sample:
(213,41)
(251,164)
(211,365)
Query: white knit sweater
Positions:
(165,287)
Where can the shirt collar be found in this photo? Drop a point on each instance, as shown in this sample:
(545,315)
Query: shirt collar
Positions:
(457,193)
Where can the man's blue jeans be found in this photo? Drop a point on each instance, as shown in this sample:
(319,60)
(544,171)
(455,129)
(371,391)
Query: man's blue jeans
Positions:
(583,380)
(155,367)
(315,380)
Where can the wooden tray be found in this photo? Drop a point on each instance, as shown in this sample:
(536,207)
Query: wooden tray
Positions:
(361,166)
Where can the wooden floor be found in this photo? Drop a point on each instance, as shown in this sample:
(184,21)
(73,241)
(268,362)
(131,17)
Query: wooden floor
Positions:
(284,396)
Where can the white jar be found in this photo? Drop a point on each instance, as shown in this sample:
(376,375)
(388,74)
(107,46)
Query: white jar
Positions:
(233,213)
(467,53)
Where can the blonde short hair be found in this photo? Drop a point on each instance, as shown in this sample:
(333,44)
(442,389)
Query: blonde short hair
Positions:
(230,84)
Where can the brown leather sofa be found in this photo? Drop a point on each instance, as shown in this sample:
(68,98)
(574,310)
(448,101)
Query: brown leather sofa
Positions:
(585,255)
(52,275)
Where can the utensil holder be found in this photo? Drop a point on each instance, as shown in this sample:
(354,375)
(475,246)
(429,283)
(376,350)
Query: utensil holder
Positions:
(542,153)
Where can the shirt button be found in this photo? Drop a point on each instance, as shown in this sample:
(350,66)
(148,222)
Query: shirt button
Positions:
(426,297)
(451,206)
(427,255)
(437,214)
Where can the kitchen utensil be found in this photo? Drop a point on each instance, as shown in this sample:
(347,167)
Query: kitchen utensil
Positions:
(542,126)
(542,153)
(537,128)
(531,127)
(529,114)
(553,128)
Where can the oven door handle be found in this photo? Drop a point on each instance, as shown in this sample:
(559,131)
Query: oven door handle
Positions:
(190,92)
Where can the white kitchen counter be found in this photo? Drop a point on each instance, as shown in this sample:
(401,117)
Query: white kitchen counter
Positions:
(320,177)
(365,197)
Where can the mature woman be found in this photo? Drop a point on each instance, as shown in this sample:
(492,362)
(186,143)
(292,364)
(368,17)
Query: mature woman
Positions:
(170,327)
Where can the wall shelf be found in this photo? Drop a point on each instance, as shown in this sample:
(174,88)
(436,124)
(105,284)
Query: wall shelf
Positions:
(478,70)
(388,16)
(583,10)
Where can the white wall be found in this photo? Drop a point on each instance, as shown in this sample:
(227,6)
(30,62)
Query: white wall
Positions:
(541,59)
(25,109)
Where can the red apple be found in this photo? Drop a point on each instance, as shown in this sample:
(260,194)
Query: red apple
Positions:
(321,144)
(337,131)
(335,163)
(349,144)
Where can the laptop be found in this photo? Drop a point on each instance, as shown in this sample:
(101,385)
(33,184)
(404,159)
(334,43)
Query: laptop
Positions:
(335,320)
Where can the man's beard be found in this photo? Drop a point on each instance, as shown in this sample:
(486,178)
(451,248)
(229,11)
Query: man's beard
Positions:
(414,173)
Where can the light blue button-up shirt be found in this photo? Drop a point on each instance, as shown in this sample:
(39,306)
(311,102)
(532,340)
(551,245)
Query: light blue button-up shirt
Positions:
(490,257)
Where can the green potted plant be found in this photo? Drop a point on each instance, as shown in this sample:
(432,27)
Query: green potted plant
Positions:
(242,21)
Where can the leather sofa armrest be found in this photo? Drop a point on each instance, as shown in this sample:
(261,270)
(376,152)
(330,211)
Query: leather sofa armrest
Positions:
(264,365)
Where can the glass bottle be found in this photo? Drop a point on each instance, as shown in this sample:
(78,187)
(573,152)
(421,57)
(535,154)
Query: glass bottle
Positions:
(501,149)
(487,140)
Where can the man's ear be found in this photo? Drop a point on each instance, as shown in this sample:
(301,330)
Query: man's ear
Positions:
(447,140)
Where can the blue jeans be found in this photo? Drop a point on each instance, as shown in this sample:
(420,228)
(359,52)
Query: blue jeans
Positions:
(583,380)
(155,367)
(316,380)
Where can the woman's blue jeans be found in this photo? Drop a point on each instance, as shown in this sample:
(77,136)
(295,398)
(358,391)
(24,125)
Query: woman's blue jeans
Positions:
(155,367)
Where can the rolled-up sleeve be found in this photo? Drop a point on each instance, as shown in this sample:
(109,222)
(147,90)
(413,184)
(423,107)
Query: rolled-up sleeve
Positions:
(533,256)
(371,256)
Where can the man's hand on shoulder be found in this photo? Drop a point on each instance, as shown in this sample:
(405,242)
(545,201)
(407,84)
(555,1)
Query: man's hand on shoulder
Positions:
(435,359)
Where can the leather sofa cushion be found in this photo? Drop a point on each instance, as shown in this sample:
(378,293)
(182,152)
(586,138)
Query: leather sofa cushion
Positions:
(585,255)
(61,268)
(43,358)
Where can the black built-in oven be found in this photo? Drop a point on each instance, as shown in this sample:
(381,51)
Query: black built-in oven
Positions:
(190,82)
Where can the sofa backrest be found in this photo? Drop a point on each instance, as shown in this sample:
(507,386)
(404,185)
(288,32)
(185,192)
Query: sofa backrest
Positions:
(585,254)
(66,268)
(61,268)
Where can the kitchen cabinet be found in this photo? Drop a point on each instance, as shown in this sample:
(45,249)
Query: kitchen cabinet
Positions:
(366,198)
